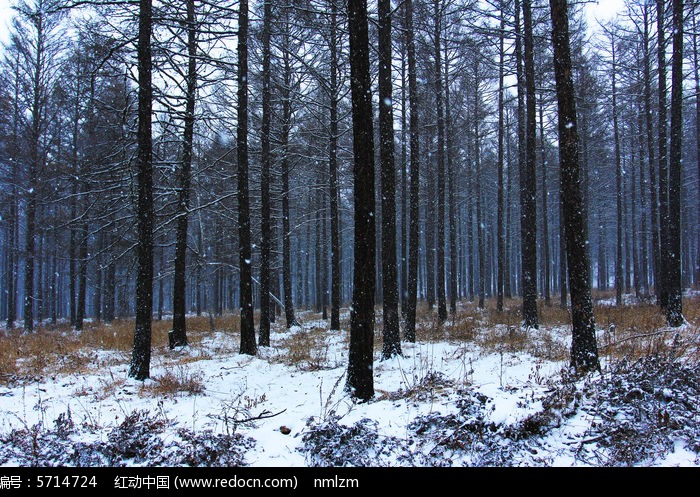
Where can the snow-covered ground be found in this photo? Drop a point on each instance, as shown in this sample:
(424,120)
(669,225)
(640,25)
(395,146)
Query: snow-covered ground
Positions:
(447,402)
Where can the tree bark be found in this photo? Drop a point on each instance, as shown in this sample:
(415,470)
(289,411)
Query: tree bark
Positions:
(528,188)
(248,345)
(584,350)
(360,382)
(336,269)
(178,336)
(414,187)
(141,354)
(674,311)
(265,215)
(390,302)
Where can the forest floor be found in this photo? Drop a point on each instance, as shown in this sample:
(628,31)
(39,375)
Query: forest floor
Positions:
(476,391)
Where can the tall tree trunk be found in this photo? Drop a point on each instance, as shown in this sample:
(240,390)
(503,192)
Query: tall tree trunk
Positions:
(286,222)
(477,176)
(390,301)
(546,263)
(651,154)
(528,188)
(141,354)
(178,336)
(336,268)
(265,215)
(696,71)
(360,381)
(451,190)
(584,350)
(11,276)
(674,311)
(404,174)
(618,178)
(410,326)
(664,221)
(440,252)
(248,345)
(500,165)
(643,245)
(82,271)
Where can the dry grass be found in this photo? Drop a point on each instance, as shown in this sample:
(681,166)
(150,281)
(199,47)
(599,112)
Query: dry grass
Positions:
(56,349)
(629,331)
(307,350)
(181,380)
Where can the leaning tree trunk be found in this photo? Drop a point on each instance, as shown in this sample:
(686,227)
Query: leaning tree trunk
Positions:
(584,350)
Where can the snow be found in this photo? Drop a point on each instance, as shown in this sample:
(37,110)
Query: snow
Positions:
(451,401)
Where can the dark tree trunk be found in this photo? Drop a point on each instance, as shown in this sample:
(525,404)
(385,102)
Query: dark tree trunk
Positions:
(178,336)
(643,234)
(72,250)
(141,354)
(404,173)
(440,252)
(336,268)
(360,382)
(286,222)
(696,71)
(248,345)
(390,285)
(545,217)
(499,208)
(651,155)
(480,234)
(674,311)
(82,271)
(562,257)
(451,193)
(584,350)
(528,185)
(410,326)
(664,221)
(11,276)
(109,292)
(507,273)
(265,219)
(430,229)
(618,179)
(318,246)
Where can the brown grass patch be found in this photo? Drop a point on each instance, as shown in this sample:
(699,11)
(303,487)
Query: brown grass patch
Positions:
(307,350)
(175,382)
